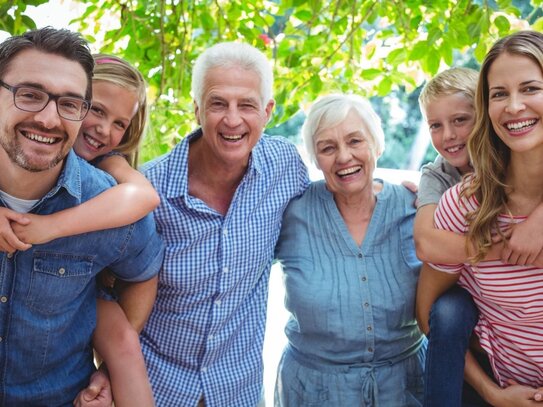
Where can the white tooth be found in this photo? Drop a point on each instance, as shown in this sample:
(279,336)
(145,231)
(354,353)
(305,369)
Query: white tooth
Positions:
(521,125)
(233,136)
(41,139)
(348,171)
(92,142)
(454,149)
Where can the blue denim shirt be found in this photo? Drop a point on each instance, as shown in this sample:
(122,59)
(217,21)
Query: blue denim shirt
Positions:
(48,295)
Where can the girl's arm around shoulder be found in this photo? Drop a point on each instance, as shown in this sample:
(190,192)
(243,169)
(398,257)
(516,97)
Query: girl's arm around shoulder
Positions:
(125,203)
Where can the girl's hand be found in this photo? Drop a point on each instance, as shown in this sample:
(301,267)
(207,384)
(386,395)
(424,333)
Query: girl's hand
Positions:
(39,229)
(9,241)
(97,393)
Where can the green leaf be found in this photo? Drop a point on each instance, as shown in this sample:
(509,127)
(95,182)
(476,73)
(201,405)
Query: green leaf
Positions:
(419,50)
(370,74)
(396,57)
(316,84)
(384,86)
(503,25)
(28,22)
(446,52)
(480,51)
(207,21)
(303,15)
(432,61)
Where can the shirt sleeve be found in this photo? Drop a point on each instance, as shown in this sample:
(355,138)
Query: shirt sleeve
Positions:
(142,254)
(450,215)
(431,188)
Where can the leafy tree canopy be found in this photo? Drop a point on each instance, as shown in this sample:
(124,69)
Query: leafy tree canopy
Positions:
(365,46)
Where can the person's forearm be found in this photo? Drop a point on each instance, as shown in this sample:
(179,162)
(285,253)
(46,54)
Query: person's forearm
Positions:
(118,206)
(137,300)
(430,242)
(479,380)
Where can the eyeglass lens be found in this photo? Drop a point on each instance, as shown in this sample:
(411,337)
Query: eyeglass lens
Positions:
(34,100)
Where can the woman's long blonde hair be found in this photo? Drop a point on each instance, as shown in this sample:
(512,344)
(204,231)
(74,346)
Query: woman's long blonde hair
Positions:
(489,155)
(115,70)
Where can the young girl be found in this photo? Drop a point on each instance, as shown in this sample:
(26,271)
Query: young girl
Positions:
(506,147)
(115,122)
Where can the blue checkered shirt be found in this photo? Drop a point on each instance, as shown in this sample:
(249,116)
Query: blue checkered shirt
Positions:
(204,337)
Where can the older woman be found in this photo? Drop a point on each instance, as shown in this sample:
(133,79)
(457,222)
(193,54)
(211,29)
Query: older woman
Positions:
(350,272)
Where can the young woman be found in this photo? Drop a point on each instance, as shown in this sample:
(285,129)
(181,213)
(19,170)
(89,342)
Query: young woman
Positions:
(109,138)
(506,147)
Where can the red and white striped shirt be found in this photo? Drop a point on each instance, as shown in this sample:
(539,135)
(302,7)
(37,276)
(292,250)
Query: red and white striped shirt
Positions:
(509,298)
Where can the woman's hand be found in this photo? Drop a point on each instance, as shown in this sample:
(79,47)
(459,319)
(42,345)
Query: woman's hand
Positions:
(516,395)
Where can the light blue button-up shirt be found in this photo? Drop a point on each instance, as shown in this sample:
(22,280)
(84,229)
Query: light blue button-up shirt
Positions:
(204,337)
(353,337)
(48,295)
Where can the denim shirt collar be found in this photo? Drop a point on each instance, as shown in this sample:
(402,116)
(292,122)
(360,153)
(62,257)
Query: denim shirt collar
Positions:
(69,179)
(179,187)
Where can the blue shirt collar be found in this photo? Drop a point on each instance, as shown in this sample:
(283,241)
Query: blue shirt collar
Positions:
(69,178)
(179,187)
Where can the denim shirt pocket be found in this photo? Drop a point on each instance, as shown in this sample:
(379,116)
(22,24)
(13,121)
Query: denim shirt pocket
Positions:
(57,279)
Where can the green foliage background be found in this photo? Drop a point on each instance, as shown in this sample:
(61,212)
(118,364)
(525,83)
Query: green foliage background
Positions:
(374,48)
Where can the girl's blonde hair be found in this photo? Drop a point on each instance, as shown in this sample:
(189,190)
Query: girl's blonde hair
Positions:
(115,70)
(489,154)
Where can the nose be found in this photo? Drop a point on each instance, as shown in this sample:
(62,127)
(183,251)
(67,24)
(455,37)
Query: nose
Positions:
(515,104)
(448,132)
(233,117)
(48,117)
(343,154)
(103,128)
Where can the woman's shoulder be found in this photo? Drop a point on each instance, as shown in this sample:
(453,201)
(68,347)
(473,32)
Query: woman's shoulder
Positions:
(315,192)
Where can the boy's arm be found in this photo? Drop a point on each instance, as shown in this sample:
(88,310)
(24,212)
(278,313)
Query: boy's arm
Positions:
(436,245)
(130,200)
(432,283)
(137,299)
(525,240)
(442,246)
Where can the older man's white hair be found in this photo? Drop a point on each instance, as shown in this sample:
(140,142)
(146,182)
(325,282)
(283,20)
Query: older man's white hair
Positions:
(232,55)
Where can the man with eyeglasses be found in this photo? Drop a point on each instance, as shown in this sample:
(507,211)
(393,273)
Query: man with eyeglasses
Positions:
(48,292)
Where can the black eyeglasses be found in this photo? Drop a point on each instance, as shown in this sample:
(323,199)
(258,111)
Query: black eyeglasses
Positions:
(34,100)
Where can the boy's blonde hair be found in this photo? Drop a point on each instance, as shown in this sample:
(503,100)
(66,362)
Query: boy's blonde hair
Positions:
(449,82)
(115,70)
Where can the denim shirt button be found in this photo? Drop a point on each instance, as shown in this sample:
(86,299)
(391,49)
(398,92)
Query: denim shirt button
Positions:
(61,271)
(4,298)
(10,255)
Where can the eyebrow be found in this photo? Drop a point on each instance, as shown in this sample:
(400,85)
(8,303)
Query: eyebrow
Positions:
(521,84)
(352,133)
(39,86)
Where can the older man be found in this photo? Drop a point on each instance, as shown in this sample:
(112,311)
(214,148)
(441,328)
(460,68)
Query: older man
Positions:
(223,192)
(48,292)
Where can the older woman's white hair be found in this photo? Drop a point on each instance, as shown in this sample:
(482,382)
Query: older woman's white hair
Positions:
(331,110)
(230,55)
